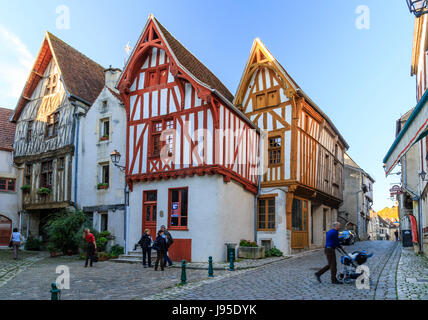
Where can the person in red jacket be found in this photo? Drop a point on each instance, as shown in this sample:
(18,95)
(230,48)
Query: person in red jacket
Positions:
(91,248)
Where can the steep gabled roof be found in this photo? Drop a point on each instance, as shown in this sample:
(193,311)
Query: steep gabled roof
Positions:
(259,45)
(7,131)
(82,77)
(193,65)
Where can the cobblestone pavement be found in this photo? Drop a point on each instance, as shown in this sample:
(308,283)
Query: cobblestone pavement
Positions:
(294,279)
(291,278)
(412,276)
(105,281)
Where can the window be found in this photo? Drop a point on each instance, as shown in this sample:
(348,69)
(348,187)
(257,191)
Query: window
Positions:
(104,221)
(178,210)
(273,98)
(156,77)
(61,163)
(299,216)
(104,129)
(7,184)
(47,174)
(266,214)
(324,220)
(157,144)
(327,168)
(28,171)
(51,84)
(105,173)
(275,151)
(260,101)
(29,130)
(52,123)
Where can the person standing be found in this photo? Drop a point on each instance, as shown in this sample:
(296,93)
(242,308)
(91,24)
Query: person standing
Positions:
(332,243)
(91,247)
(16,240)
(169,242)
(396,235)
(161,247)
(146,242)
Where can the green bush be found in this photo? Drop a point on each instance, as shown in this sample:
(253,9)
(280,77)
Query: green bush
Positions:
(116,250)
(101,243)
(62,227)
(274,252)
(105,234)
(32,244)
(247,243)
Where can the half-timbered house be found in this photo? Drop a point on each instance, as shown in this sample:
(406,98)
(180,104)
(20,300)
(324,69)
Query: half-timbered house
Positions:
(63,84)
(191,155)
(301,188)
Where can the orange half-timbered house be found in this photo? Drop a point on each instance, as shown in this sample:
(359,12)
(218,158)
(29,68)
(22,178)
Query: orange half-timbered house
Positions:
(301,187)
(192,156)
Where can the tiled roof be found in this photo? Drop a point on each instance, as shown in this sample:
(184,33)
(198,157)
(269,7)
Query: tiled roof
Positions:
(7,129)
(83,77)
(193,65)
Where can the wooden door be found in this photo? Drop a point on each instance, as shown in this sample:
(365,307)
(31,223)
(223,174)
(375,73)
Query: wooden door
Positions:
(150,212)
(299,224)
(5,230)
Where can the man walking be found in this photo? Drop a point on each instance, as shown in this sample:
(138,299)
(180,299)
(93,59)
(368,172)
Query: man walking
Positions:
(332,242)
(169,242)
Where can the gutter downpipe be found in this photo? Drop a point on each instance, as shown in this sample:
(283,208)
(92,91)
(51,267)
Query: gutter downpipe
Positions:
(77,157)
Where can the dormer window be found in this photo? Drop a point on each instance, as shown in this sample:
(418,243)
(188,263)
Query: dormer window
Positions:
(156,77)
(51,85)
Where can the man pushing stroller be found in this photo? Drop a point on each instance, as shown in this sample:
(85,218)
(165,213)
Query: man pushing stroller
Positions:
(331,244)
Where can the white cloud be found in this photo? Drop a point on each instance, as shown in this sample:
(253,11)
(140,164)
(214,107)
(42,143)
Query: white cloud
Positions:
(16,62)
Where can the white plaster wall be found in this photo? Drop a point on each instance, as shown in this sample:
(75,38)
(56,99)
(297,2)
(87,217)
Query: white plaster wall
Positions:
(9,201)
(279,236)
(217,213)
(92,151)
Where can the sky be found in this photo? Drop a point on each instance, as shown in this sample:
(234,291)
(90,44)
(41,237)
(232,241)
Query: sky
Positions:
(352,57)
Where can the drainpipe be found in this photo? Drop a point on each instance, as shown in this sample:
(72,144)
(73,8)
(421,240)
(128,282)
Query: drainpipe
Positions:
(76,154)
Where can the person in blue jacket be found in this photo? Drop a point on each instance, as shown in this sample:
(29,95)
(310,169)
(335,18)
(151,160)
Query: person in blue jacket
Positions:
(331,244)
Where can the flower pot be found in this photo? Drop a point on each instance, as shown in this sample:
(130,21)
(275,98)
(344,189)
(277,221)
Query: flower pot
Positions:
(53,254)
(102,187)
(103,138)
(69,253)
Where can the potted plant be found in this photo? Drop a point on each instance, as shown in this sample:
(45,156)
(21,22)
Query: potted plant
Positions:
(44,191)
(26,188)
(250,250)
(103,256)
(104,137)
(102,186)
(52,250)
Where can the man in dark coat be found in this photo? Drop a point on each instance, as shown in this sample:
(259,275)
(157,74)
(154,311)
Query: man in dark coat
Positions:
(146,243)
(331,244)
(169,242)
(161,247)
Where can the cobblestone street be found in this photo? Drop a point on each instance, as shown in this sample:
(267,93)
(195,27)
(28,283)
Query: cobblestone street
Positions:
(31,276)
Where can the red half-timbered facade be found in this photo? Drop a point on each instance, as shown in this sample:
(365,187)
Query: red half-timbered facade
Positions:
(181,124)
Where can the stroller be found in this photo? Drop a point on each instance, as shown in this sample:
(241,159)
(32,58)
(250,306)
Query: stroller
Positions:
(350,263)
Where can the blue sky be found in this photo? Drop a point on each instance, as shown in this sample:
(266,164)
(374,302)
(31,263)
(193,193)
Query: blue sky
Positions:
(359,77)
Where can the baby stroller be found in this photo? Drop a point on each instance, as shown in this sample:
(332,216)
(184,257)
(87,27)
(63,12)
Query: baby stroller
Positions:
(350,263)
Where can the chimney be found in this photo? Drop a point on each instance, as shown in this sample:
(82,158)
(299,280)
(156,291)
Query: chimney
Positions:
(111,77)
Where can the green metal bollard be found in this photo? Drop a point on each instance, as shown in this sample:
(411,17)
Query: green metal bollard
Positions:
(231,260)
(210,267)
(183,272)
(55,292)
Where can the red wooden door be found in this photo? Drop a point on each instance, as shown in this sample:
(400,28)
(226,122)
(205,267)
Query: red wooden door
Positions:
(5,230)
(150,212)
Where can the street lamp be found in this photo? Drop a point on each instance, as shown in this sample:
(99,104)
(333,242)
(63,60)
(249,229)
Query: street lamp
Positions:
(418,7)
(115,159)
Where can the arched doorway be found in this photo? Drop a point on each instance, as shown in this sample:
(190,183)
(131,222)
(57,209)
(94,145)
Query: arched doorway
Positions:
(5,230)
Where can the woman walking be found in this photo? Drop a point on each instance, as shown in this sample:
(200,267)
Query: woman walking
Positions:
(16,239)
(161,247)
(91,248)
(146,242)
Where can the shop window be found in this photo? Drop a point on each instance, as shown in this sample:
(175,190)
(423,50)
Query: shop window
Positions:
(178,208)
